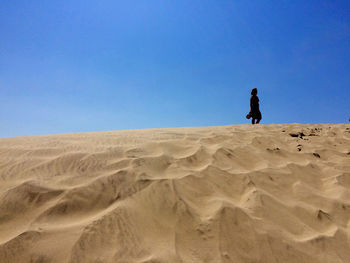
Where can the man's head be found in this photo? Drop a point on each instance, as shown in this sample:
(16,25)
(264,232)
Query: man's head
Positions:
(254,91)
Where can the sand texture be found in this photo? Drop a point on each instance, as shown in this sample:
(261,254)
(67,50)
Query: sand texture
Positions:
(242,194)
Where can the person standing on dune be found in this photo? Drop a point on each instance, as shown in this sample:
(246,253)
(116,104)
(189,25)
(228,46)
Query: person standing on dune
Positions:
(254,113)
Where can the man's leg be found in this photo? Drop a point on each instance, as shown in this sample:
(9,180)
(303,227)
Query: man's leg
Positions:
(253,121)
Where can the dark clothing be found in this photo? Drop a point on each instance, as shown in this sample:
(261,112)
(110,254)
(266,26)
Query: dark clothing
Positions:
(254,107)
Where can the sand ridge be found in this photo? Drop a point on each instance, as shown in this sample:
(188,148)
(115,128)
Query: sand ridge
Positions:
(264,193)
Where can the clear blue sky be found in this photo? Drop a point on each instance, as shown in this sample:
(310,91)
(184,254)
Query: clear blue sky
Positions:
(93,65)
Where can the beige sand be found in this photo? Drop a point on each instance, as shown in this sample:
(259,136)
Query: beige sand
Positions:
(215,194)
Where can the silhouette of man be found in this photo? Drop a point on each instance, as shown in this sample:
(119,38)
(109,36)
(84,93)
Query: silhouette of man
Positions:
(254,113)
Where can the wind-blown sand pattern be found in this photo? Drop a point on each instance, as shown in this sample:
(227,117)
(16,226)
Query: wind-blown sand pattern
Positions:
(265,193)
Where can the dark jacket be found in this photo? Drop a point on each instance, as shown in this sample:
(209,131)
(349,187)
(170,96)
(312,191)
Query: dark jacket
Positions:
(254,107)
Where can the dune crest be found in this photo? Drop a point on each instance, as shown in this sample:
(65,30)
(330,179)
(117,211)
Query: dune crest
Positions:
(265,193)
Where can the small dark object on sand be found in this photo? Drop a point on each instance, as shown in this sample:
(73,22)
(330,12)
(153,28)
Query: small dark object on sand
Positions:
(317,155)
(275,149)
(299,134)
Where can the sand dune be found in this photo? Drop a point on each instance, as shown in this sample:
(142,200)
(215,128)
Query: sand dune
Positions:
(267,193)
